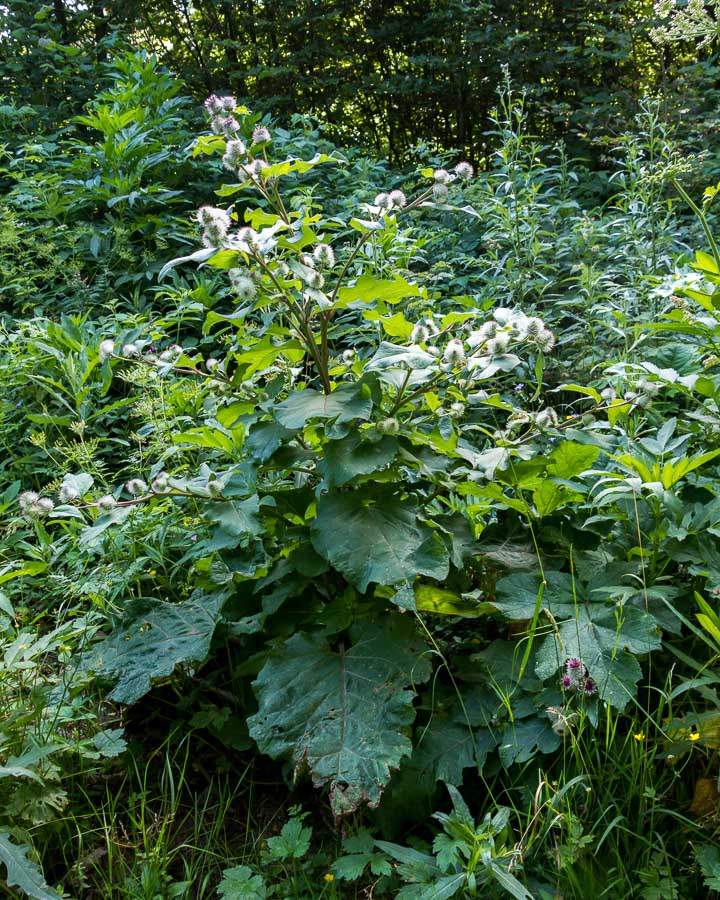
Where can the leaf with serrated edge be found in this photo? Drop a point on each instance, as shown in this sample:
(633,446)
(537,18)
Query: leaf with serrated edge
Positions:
(599,637)
(378,541)
(342,713)
(152,639)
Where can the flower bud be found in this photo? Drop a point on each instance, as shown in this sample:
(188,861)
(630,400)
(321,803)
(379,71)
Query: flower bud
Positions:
(106,503)
(348,357)
(383,201)
(420,334)
(261,135)
(135,487)
(324,256)
(388,426)
(440,192)
(397,199)
(464,171)
(454,354)
(215,487)
(442,176)
(67,493)
(106,350)
(130,351)
(160,483)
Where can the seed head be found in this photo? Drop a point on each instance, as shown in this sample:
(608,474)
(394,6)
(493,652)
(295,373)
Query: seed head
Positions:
(243,285)
(234,154)
(440,192)
(442,176)
(464,171)
(229,103)
(106,349)
(397,199)
(130,351)
(383,201)
(388,426)
(106,503)
(454,353)
(68,492)
(420,334)
(261,135)
(44,507)
(135,487)
(324,256)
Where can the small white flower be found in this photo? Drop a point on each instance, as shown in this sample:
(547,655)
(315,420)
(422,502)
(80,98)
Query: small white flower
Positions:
(26,500)
(160,483)
(545,341)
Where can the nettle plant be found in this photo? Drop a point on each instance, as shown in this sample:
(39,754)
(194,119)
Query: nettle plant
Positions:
(356,437)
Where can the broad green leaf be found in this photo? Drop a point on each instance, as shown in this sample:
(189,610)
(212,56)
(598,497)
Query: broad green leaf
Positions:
(390,356)
(395,326)
(264,353)
(447,747)
(600,636)
(706,263)
(440,889)
(571,459)
(237,518)
(153,638)
(551,496)
(376,540)
(342,713)
(346,459)
(517,595)
(346,403)
(368,289)
(239,883)
(22,872)
(30,567)
(433,599)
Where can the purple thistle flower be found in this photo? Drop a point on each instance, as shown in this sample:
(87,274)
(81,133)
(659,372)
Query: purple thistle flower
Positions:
(567,681)
(589,687)
(574,663)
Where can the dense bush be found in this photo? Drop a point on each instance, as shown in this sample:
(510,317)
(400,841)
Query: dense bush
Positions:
(387,491)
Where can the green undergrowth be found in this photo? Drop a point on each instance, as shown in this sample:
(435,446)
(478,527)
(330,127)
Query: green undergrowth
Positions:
(360,526)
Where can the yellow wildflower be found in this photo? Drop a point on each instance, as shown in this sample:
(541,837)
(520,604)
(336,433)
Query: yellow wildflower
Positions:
(328,876)
(640,736)
(694,733)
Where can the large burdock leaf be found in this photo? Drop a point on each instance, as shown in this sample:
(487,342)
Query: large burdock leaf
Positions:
(152,639)
(346,403)
(376,540)
(342,713)
(604,638)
